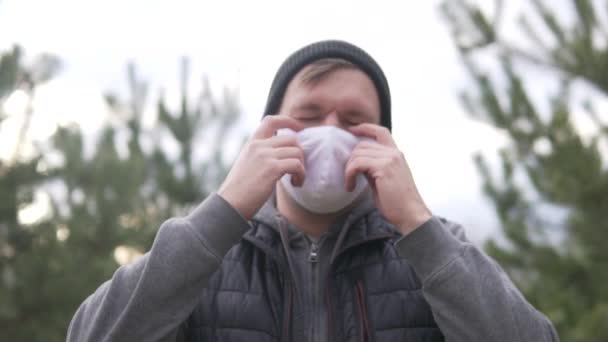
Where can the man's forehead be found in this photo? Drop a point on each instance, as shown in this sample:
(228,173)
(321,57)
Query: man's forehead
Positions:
(322,68)
(301,97)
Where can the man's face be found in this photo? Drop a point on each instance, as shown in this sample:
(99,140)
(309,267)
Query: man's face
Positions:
(342,98)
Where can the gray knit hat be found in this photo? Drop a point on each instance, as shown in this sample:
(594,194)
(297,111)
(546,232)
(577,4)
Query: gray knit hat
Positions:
(330,49)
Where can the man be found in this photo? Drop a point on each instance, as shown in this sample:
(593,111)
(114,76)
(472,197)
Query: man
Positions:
(318,233)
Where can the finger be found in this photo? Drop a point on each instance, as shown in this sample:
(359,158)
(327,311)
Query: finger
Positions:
(367,152)
(294,167)
(371,148)
(271,123)
(289,152)
(379,133)
(282,141)
(367,144)
(355,166)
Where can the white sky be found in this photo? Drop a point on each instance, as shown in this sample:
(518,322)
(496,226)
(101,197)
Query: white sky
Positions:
(243,43)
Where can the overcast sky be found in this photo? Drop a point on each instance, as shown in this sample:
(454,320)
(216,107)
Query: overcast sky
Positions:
(241,44)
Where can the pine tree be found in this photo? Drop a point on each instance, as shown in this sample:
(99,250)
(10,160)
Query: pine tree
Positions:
(550,191)
(106,204)
(29,255)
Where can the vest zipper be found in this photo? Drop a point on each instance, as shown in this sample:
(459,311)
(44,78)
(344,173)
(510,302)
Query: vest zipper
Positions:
(314,253)
(313,258)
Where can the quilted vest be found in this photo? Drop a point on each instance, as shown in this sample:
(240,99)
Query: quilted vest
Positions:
(372,293)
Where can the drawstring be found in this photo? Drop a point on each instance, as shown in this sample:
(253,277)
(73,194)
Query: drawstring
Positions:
(365,332)
(287,315)
(294,285)
(330,320)
(285,243)
(360,308)
(334,253)
(341,237)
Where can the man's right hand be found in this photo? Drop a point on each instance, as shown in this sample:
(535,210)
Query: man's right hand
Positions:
(264,159)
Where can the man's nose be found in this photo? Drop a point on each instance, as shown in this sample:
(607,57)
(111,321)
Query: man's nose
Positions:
(333,119)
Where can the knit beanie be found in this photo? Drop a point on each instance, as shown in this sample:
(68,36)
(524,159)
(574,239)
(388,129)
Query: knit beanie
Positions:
(330,49)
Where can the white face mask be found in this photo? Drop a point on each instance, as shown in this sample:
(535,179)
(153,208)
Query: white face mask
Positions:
(326,151)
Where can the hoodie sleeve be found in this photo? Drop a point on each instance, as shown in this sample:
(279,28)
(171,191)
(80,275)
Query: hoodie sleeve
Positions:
(471,297)
(149,299)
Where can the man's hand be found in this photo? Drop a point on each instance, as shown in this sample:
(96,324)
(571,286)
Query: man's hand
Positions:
(389,176)
(264,159)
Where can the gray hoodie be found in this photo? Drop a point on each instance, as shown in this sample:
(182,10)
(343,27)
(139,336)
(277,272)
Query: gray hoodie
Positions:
(471,297)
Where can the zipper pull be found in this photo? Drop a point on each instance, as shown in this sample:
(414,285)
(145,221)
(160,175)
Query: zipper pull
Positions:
(314,253)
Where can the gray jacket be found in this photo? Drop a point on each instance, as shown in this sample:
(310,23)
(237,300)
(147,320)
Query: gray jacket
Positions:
(471,298)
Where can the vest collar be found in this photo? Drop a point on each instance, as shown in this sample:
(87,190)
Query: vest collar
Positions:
(361,225)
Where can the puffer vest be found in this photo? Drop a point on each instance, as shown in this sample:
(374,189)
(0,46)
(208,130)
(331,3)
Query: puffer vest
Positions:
(372,293)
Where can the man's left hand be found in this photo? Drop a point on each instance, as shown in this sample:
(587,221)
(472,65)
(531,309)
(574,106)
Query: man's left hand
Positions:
(389,176)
